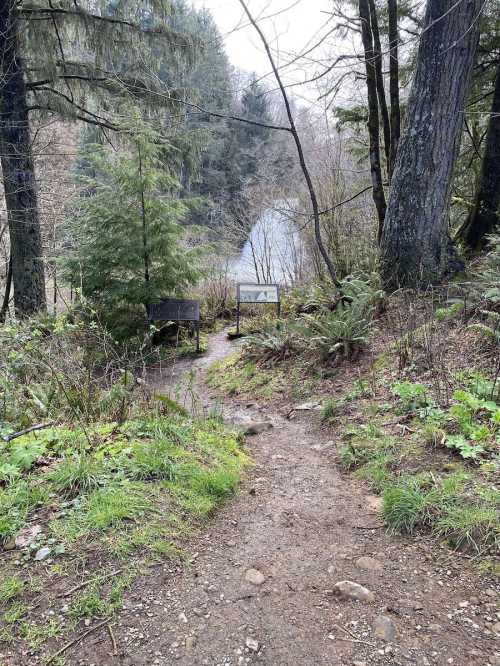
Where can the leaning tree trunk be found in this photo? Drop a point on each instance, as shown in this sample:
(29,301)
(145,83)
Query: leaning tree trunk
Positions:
(18,172)
(415,241)
(484,218)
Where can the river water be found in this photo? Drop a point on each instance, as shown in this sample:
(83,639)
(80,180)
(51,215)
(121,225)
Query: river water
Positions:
(273,251)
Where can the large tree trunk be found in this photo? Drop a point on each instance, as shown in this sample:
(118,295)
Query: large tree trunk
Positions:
(414,244)
(484,218)
(18,172)
(373,116)
(394,83)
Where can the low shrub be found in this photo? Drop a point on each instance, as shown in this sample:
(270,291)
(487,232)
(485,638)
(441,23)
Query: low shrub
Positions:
(64,369)
(411,396)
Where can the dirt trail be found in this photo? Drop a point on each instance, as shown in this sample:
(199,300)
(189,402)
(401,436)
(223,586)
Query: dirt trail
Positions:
(303,527)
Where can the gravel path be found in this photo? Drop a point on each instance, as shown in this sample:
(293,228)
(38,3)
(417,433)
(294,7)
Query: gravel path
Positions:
(260,588)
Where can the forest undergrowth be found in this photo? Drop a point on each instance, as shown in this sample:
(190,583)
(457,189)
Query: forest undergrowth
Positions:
(408,388)
(108,479)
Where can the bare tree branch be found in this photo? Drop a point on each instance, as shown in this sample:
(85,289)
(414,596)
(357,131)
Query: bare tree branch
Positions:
(298,144)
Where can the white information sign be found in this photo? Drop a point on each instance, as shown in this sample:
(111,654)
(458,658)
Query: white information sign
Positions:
(258,293)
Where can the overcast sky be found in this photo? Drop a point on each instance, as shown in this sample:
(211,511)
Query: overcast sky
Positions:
(298,23)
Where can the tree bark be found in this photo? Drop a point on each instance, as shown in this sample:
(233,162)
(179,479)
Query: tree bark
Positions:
(373,117)
(415,242)
(379,80)
(6,296)
(395,121)
(18,172)
(484,218)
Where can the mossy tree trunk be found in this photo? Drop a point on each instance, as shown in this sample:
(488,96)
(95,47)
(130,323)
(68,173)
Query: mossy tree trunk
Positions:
(18,172)
(415,243)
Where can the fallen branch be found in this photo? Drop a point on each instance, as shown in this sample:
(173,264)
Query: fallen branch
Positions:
(86,582)
(20,433)
(113,641)
(77,640)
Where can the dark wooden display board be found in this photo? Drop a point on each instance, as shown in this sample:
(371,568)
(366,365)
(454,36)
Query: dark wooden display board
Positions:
(177,309)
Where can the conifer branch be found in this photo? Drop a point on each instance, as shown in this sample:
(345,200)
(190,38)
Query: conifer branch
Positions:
(80,13)
(98,123)
(30,85)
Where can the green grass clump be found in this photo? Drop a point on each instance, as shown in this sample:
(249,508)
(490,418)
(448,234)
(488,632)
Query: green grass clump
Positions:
(367,445)
(406,506)
(203,489)
(377,472)
(15,613)
(108,507)
(127,474)
(17,499)
(10,588)
(36,635)
(329,409)
(465,513)
(469,526)
(80,473)
(167,550)
(235,376)
(151,460)
(89,604)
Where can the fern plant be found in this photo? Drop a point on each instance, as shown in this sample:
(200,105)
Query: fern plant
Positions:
(273,344)
(338,333)
(489,275)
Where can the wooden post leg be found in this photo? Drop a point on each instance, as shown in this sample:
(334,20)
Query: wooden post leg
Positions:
(238,319)
(198,337)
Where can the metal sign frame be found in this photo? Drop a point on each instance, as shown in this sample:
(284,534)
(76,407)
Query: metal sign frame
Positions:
(187,310)
(257,285)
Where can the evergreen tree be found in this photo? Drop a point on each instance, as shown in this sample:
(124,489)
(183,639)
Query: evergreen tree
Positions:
(64,59)
(125,229)
(253,138)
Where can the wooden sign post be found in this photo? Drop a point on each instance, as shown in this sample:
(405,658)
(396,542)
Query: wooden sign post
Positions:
(177,309)
(256,293)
